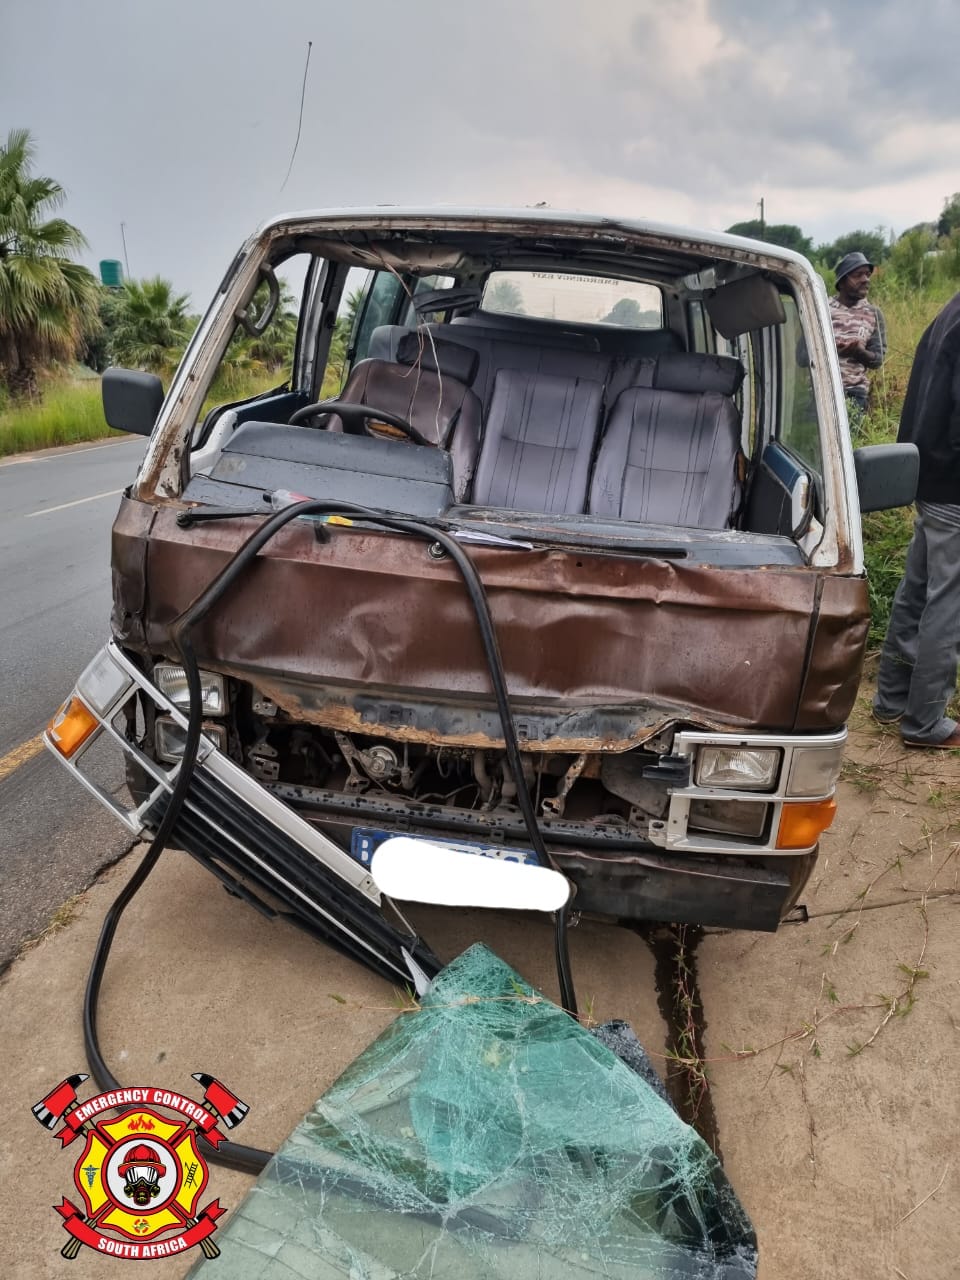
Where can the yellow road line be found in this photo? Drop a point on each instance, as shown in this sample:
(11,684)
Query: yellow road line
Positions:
(20,755)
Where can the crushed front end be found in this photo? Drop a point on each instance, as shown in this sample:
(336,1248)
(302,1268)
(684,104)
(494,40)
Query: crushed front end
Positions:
(656,811)
(258,847)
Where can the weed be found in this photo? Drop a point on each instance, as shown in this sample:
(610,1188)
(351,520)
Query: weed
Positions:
(64,915)
(68,414)
(588,1013)
(937,798)
(686,1052)
(71,412)
(865,777)
(902,1003)
(405,1000)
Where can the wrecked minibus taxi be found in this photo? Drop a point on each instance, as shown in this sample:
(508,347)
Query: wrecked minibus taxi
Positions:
(570,562)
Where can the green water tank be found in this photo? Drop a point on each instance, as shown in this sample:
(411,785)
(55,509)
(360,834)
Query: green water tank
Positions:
(111,273)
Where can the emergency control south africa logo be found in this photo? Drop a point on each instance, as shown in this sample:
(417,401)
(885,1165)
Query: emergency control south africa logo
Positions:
(141,1173)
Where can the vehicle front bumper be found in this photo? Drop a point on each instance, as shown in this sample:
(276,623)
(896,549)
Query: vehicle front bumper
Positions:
(257,839)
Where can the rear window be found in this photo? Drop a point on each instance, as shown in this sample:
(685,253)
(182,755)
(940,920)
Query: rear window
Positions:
(550,295)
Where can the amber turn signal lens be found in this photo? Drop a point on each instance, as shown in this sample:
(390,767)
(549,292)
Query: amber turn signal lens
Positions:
(801,825)
(71,727)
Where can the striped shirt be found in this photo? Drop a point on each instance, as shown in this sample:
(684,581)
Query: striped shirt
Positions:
(863,322)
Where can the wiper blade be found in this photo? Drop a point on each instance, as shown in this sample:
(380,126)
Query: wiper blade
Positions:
(197,515)
(490,539)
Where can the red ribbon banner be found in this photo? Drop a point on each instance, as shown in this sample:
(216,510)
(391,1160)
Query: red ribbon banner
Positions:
(74,1223)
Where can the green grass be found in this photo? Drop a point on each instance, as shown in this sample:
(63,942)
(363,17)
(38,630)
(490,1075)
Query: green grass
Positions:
(69,413)
(886,534)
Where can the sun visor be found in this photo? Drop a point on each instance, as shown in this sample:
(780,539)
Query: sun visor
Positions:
(431,301)
(744,305)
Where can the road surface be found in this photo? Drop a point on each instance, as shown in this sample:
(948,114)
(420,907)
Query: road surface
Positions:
(56,510)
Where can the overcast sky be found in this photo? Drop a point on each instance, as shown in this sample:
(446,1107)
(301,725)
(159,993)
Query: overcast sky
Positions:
(178,117)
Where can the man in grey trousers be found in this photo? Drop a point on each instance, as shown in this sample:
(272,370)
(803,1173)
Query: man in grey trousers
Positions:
(918,666)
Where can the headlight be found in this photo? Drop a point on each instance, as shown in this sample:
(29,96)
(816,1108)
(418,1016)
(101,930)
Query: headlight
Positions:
(729,817)
(815,770)
(102,683)
(172,683)
(170,738)
(738,768)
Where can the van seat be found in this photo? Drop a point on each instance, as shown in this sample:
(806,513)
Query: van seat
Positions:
(426,382)
(538,442)
(670,451)
(616,358)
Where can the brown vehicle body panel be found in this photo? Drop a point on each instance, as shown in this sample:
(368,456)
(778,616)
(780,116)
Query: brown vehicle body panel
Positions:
(776,649)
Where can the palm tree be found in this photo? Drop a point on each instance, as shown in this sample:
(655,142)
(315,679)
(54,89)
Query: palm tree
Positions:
(342,333)
(273,349)
(151,326)
(504,295)
(48,303)
(258,358)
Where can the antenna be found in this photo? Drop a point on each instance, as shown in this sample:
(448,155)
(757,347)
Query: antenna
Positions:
(126,264)
(303,94)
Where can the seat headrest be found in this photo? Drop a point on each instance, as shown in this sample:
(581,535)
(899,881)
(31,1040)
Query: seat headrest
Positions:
(695,372)
(436,354)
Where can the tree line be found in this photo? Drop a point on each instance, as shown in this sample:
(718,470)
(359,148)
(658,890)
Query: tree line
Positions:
(911,256)
(54,310)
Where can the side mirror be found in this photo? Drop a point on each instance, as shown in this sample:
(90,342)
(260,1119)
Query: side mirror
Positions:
(420,871)
(886,475)
(131,400)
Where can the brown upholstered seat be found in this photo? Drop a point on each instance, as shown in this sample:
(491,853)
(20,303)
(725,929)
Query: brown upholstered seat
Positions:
(428,386)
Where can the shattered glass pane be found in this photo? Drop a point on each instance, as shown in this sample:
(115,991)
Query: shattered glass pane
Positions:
(489,1136)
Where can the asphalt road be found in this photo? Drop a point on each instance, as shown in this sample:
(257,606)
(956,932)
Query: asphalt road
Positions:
(56,510)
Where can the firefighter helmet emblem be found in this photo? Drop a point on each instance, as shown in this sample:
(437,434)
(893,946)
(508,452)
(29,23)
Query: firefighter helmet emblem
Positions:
(141,1173)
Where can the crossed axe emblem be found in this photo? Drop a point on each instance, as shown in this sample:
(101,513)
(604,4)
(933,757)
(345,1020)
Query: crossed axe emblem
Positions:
(61,1103)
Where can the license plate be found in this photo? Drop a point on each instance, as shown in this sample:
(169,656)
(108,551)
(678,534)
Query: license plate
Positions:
(365,840)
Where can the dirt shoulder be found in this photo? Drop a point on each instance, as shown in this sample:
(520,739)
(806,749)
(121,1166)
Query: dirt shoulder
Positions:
(829,1046)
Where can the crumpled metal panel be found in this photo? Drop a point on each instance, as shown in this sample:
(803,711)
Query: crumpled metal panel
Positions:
(489,1136)
(128,563)
(836,653)
(374,611)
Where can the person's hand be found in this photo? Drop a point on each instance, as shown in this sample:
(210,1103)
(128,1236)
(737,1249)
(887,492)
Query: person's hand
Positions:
(857,351)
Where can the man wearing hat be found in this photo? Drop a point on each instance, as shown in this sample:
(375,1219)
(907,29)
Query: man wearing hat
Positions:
(858,327)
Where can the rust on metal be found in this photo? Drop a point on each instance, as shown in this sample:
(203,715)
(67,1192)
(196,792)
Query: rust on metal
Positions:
(372,611)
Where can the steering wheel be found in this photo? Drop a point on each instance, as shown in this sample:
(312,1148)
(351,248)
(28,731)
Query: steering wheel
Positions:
(356,419)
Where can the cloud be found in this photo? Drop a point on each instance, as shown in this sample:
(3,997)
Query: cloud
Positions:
(179,119)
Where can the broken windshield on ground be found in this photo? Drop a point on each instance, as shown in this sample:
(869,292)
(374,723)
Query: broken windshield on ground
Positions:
(489,1136)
